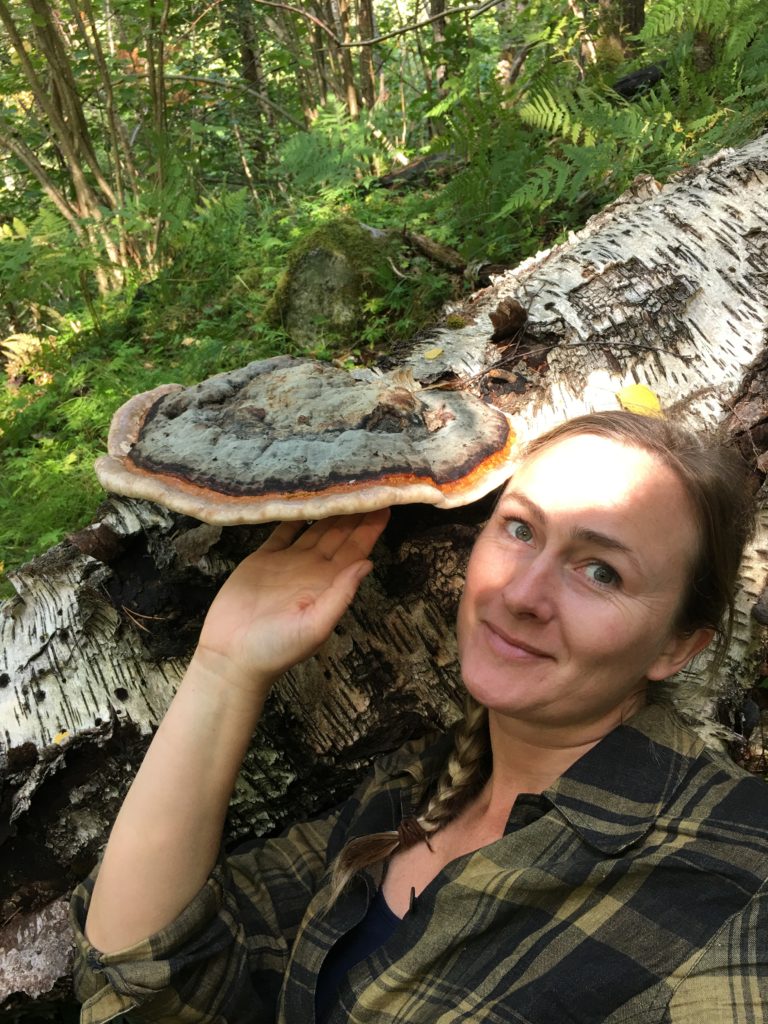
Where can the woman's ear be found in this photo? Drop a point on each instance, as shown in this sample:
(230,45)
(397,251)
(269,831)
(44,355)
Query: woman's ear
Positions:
(682,647)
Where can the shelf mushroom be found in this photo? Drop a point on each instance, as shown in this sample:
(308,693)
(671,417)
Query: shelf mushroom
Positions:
(287,438)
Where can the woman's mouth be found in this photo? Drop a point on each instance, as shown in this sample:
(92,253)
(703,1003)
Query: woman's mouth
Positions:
(511,647)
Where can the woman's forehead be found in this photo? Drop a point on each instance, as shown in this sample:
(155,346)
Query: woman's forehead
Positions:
(582,456)
(598,477)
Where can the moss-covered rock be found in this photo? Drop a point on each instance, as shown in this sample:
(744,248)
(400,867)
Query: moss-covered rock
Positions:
(331,274)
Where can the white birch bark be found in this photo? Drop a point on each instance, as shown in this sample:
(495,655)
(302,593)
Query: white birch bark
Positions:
(667,287)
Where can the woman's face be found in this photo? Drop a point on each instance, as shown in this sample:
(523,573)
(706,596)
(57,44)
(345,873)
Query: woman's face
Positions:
(574,586)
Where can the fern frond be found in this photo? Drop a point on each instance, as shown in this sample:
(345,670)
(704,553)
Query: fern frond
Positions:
(747,31)
(557,115)
(667,16)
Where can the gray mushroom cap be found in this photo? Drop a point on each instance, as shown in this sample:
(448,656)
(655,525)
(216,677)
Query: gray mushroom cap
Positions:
(287,438)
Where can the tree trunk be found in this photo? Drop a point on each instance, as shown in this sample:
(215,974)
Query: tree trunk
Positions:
(22,152)
(320,68)
(437,7)
(365,24)
(250,52)
(331,52)
(63,111)
(71,125)
(633,16)
(157,28)
(310,90)
(339,19)
(616,21)
(666,287)
(123,167)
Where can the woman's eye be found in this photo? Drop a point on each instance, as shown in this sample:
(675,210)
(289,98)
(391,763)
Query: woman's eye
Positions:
(520,530)
(603,574)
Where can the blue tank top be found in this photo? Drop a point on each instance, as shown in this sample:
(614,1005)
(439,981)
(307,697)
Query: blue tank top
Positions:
(362,940)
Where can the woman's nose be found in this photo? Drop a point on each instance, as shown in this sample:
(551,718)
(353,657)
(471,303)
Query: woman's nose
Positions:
(531,589)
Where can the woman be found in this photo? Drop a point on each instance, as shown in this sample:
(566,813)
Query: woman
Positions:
(571,853)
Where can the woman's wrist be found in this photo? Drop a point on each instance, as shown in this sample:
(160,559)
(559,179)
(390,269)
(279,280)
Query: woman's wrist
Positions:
(222,677)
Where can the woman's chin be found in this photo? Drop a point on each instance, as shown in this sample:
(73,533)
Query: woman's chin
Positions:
(506,695)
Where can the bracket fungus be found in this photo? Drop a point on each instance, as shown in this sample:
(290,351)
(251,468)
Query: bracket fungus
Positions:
(286,438)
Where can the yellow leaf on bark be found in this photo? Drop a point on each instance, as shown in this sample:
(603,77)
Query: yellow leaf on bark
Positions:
(639,398)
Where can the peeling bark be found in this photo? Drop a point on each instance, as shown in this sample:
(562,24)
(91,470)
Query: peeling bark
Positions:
(34,950)
(666,287)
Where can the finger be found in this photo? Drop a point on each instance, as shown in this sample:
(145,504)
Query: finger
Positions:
(283,535)
(350,538)
(327,535)
(361,539)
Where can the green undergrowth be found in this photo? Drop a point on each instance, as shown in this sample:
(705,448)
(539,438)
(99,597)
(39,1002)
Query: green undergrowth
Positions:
(560,142)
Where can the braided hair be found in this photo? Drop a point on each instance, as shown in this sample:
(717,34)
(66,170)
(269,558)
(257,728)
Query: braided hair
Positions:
(464,775)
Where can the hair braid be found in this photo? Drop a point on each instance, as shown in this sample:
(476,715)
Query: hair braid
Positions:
(462,778)
(466,770)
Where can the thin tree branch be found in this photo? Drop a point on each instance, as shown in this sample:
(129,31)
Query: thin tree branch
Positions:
(14,145)
(473,9)
(229,82)
(246,168)
(199,18)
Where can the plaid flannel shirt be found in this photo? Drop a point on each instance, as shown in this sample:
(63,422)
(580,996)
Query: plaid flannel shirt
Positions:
(633,890)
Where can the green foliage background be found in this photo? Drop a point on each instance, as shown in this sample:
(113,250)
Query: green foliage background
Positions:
(520,164)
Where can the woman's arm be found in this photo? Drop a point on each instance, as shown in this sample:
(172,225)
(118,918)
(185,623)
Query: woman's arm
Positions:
(274,611)
(728,984)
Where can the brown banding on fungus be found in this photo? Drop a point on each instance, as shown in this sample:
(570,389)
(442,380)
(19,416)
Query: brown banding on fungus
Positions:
(285,438)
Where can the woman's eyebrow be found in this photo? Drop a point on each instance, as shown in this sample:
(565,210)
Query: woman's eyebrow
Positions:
(579,533)
(602,540)
(535,510)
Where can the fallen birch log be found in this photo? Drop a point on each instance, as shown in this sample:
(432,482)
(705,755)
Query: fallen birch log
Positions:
(667,287)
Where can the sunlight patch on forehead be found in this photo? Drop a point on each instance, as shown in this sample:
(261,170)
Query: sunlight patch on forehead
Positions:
(602,471)
(608,487)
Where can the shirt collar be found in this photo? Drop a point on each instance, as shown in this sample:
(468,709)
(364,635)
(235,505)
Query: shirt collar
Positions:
(614,793)
(611,796)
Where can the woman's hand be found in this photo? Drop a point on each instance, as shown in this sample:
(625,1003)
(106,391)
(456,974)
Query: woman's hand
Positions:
(283,601)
